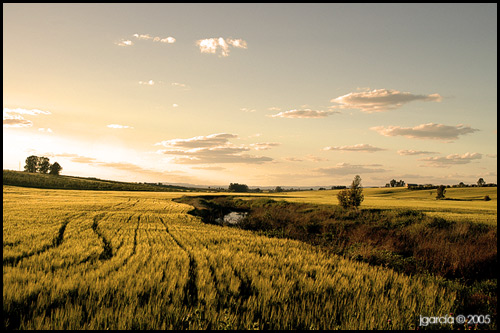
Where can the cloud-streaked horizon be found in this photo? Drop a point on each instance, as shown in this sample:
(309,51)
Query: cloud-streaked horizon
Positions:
(125,166)
(380,100)
(362,147)
(426,131)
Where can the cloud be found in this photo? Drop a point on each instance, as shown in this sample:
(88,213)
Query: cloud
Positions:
(119,126)
(379,100)
(426,131)
(14,118)
(126,166)
(449,160)
(359,147)
(16,121)
(181,85)
(342,169)
(167,40)
(310,158)
(148,83)
(209,168)
(212,140)
(124,43)
(247,110)
(45,130)
(264,145)
(405,152)
(211,45)
(214,148)
(302,114)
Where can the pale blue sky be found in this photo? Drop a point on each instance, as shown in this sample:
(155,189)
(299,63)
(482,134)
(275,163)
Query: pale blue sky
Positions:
(405,91)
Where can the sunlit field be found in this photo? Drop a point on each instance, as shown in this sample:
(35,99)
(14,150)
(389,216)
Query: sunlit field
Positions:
(459,204)
(136,260)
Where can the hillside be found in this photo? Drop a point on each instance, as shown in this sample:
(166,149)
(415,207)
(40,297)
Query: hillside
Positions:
(36,180)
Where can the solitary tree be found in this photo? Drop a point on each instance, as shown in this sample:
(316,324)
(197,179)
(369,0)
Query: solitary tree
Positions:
(43,164)
(481,182)
(55,169)
(352,197)
(31,164)
(441,190)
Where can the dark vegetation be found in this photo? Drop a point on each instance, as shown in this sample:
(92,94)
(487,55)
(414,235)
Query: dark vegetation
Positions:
(407,241)
(38,180)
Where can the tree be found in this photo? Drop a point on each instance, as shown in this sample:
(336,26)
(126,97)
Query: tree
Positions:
(31,164)
(55,169)
(441,190)
(235,187)
(481,182)
(352,197)
(43,164)
(278,189)
(393,182)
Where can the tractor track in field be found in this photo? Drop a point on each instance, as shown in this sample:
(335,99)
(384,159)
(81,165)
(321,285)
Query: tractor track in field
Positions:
(56,241)
(190,288)
(107,251)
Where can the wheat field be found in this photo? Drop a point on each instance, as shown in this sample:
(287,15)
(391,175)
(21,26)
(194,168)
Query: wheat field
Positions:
(135,260)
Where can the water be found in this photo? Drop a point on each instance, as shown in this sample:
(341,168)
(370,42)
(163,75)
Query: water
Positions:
(233,217)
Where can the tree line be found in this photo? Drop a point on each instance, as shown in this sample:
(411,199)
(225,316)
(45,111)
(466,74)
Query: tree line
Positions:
(42,165)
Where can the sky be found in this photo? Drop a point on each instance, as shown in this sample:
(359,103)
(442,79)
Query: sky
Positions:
(259,94)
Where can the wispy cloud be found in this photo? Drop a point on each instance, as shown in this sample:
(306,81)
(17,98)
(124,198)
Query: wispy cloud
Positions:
(212,45)
(119,126)
(167,40)
(449,160)
(247,110)
(45,130)
(310,158)
(125,166)
(181,85)
(379,100)
(426,131)
(405,152)
(124,42)
(15,117)
(362,147)
(264,145)
(147,83)
(307,113)
(342,169)
(209,168)
(214,148)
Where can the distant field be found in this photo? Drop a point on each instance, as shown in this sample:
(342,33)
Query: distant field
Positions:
(137,260)
(461,204)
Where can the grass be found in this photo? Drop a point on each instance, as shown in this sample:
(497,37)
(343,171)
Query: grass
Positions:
(469,202)
(164,269)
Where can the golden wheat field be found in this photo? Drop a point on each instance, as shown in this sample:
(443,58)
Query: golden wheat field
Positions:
(134,260)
